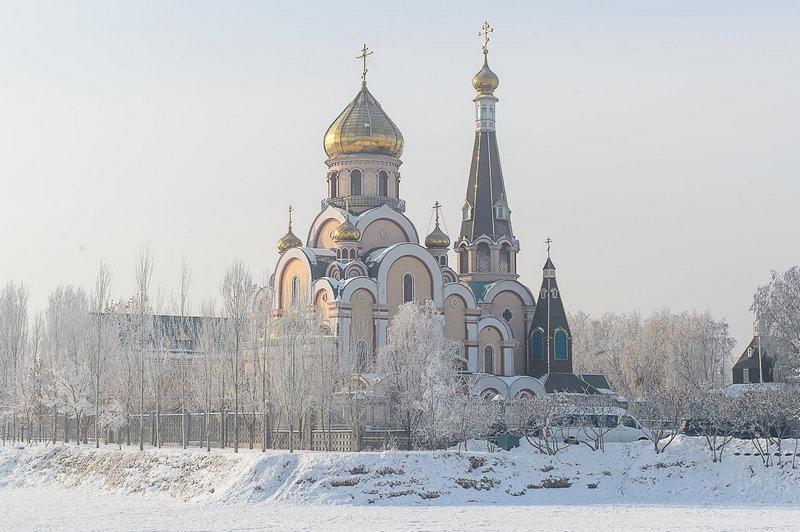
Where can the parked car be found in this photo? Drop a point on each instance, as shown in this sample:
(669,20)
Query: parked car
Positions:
(613,424)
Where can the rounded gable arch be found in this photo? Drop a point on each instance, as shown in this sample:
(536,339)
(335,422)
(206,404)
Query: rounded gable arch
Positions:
(390,255)
(487,383)
(386,212)
(285,263)
(524,383)
(329,213)
(457,289)
(510,286)
(500,325)
(355,283)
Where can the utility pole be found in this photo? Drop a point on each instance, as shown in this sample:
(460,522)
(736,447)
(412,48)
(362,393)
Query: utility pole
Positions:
(756,333)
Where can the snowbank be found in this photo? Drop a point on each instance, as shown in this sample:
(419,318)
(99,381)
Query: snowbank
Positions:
(629,473)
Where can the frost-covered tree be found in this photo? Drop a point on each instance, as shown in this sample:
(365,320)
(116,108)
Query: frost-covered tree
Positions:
(29,381)
(208,367)
(291,365)
(143,325)
(470,415)
(541,420)
(238,293)
(661,414)
(689,350)
(69,335)
(104,340)
(419,369)
(13,339)
(777,307)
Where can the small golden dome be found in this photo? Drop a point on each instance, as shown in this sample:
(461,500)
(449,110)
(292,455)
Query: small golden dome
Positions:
(363,127)
(346,232)
(289,240)
(437,239)
(485,81)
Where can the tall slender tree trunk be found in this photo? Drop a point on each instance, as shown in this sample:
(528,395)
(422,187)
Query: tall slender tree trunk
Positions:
(55,423)
(141,402)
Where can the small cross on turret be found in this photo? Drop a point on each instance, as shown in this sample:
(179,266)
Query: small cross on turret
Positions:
(363,57)
(485,31)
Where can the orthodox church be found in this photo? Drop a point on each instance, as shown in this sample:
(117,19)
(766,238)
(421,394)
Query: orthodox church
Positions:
(362,257)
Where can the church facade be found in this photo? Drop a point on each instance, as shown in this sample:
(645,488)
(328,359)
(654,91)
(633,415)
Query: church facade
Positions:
(362,257)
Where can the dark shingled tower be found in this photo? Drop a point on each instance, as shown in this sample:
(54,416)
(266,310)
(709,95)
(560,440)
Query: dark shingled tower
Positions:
(486,246)
(551,340)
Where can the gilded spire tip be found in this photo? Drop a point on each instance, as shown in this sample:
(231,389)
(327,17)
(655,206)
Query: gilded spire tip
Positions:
(363,57)
(485,31)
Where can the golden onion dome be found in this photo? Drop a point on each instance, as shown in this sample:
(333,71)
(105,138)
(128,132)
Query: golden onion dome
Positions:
(485,81)
(363,127)
(289,240)
(437,239)
(346,232)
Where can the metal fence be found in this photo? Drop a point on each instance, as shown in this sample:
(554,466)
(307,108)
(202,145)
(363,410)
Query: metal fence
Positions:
(168,429)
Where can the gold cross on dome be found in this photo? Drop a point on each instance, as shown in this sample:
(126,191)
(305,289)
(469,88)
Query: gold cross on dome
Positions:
(290,217)
(436,207)
(485,31)
(363,57)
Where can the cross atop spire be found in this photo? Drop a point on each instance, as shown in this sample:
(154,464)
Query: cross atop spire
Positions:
(548,241)
(485,31)
(363,57)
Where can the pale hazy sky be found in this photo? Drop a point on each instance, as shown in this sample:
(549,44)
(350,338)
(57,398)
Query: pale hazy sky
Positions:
(657,143)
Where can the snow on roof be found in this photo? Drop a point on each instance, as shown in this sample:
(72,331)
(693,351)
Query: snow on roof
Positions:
(738,389)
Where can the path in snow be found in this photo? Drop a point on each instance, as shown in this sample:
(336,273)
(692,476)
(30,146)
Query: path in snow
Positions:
(74,509)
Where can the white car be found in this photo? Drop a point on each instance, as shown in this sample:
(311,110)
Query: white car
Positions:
(612,424)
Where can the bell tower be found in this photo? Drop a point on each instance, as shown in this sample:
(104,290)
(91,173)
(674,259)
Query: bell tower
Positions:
(486,247)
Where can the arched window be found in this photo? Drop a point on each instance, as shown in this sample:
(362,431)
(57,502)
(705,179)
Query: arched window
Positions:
(463,261)
(408,288)
(484,113)
(355,183)
(361,361)
(491,113)
(537,345)
(383,183)
(505,258)
(484,258)
(488,359)
(466,211)
(295,290)
(334,183)
(561,345)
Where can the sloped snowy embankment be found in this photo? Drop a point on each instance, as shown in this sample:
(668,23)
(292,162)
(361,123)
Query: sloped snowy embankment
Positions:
(629,473)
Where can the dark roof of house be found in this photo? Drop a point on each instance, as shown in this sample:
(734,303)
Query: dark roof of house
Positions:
(749,357)
(567,383)
(597,380)
(484,189)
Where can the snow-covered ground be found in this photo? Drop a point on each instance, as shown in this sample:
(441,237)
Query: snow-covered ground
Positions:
(627,486)
(69,509)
